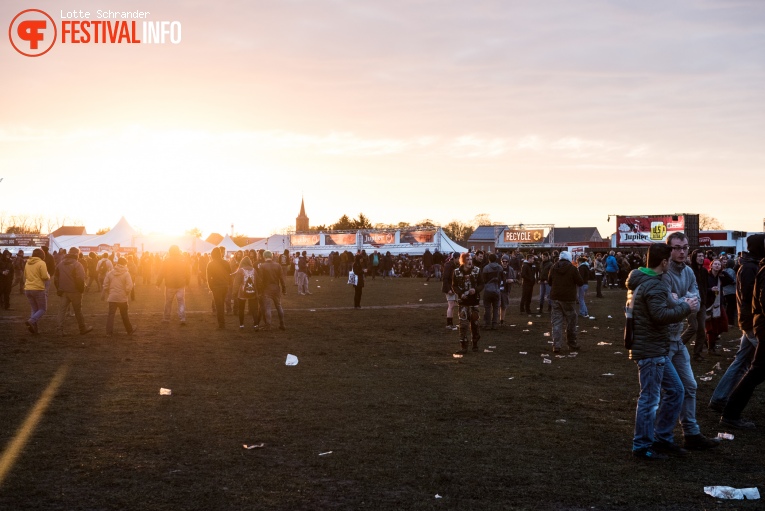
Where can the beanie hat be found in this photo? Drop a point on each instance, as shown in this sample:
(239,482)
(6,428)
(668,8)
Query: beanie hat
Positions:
(566,256)
(755,245)
(268,255)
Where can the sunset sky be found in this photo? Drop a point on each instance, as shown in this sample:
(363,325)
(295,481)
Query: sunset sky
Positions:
(554,112)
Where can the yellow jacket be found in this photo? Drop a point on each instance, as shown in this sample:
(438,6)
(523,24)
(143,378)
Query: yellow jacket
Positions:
(35,274)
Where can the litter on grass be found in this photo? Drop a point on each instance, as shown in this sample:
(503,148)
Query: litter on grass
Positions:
(560,356)
(546,334)
(437,495)
(292,360)
(547,361)
(530,323)
(254,446)
(705,378)
(523,352)
(727,492)
(550,342)
(545,355)
(512,325)
(492,347)
(596,328)
(582,331)
(526,330)
(488,351)
(717,366)
(601,343)
(607,374)
(725,436)
(561,421)
(593,317)
(573,355)
(165,392)
(457,355)
(609,317)
(709,373)
(325,453)
(617,352)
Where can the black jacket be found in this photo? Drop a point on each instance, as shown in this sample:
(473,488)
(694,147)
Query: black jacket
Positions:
(654,311)
(463,281)
(69,276)
(564,279)
(745,278)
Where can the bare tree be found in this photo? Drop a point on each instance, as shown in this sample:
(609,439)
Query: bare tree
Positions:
(481,219)
(194,232)
(38,221)
(709,223)
(103,230)
(458,231)
(3,220)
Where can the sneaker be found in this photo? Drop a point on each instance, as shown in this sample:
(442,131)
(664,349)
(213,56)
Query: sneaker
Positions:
(87,329)
(556,350)
(183,323)
(241,326)
(30,327)
(737,423)
(449,327)
(700,442)
(669,448)
(134,330)
(647,453)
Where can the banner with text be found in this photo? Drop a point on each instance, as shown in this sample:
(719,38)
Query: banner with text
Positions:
(647,230)
(417,236)
(523,235)
(305,239)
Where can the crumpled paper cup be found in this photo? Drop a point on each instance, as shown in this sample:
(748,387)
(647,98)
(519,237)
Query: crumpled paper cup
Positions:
(727,492)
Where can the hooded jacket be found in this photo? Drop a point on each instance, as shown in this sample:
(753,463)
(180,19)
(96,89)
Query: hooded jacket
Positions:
(681,281)
(564,279)
(6,265)
(745,279)
(69,276)
(117,285)
(35,274)
(218,272)
(654,311)
(175,271)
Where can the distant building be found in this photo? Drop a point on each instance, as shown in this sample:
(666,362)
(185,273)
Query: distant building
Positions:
(301,222)
(485,237)
(69,230)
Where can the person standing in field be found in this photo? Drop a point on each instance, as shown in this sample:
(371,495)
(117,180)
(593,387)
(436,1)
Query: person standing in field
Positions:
(245,289)
(103,267)
(446,288)
(272,288)
(661,391)
(492,275)
(467,284)
(528,279)
(35,278)
(508,279)
(544,286)
(69,279)
(176,274)
(118,285)
(581,291)
(6,280)
(358,269)
(19,263)
(564,279)
(682,283)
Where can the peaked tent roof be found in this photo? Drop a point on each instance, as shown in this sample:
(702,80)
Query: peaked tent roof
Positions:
(121,233)
(276,244)
(229,244)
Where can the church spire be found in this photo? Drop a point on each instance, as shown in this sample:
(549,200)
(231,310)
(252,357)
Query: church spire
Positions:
(301,222)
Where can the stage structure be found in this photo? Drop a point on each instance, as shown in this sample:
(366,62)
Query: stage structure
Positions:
(410,240)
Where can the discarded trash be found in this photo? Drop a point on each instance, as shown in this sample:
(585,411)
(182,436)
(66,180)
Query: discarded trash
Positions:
(560,356)
(717,366)
(526,330)
(561,421)
(312,310)
(593,317)
(582,331)
(425,284)
(727,492)
(492,347)
(726,349)
(437,495)
(530,323)
(165,392)
(550,342)
(488,351)
(596,328)
(523,352)
(725,436)
(254,446)
(457,355)
(609,317)
(325,453)
(607,374)
(617,352)
(573,355)
(539,315)
(709,373)
(318,286)
(292,360)
(546,334)
(547,361)
(511,377)
(705,378)
(545,355)
(602,343)
(420,299)
(512,325)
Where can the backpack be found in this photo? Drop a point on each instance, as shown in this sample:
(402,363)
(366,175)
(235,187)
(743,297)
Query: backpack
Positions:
(103,268)
(629,323)
(248,285)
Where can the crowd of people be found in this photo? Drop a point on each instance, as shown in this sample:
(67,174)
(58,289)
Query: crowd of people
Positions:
(677,298)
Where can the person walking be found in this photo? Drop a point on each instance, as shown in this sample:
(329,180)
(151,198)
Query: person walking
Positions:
(358,269)
(581,291)
(246,290)
(467,284)
(273,288)
(69,279)
(175,272)
(118,285)
(218,276)
(6,280)
(492,275)
(35,278)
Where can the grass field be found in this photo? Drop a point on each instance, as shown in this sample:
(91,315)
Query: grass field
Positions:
(376,415)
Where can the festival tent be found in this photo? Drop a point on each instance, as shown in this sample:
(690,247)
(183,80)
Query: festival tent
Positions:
(229,244)
(441,242)
(276,244)
(121,234)
(161,244)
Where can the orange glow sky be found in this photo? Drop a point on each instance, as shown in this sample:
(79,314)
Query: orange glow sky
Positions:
(533,112)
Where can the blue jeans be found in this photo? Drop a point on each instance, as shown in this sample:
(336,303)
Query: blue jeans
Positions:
(581,291)
(736,370)
(544,294)
(39,303)
(681,360)
(655,416)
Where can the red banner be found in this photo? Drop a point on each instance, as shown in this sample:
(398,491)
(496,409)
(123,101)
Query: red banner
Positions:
(347,238)
(304,239)
(417,236)
(647,230)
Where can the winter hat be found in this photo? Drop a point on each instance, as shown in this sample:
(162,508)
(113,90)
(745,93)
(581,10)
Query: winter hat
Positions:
(755,245)
(122,261)
(268,255)
(566,256)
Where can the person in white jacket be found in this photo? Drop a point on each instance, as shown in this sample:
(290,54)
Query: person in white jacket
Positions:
(116,291)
